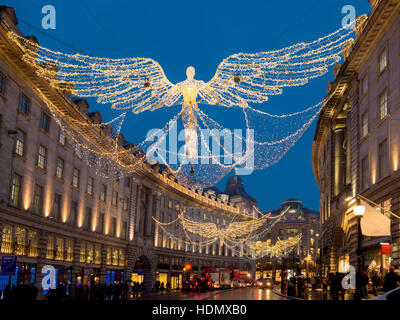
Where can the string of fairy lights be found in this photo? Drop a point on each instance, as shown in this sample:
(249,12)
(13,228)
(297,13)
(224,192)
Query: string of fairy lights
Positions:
(238,235)
(140,84)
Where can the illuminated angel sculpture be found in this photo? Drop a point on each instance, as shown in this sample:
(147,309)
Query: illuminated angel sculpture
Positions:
(139,84)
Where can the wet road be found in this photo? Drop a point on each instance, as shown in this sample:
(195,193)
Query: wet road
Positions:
(251,293)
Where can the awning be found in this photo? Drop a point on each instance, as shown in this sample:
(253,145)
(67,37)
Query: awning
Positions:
(374,223)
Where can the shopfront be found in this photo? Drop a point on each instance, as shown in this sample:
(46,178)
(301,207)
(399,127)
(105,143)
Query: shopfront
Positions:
(162,276)
(176,281)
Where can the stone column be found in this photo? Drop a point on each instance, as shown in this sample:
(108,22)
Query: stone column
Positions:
(138,211)
(340,160)
(155,228)
(149,214)
(132,210)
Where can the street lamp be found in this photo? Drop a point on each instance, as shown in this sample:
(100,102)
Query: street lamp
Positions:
(359,211)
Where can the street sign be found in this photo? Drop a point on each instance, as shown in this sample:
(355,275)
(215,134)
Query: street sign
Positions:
(8,265)
(86,269)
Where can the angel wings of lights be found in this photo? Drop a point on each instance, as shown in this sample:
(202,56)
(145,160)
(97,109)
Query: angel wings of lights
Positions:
(140,84)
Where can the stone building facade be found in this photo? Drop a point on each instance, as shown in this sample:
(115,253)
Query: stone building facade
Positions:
(303,258)
(357,141)
(56,209)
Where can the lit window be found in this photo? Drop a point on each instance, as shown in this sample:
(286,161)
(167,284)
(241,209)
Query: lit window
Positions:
(75,178)
(38,200)
(364,124)
(60,168)
(383,159)
(89,189)
(62,138)
(42,157)
(383,111)
(15,190)
(169,204)
(24,104)
(6,239)
(20,143)
(383,61)
(45,124)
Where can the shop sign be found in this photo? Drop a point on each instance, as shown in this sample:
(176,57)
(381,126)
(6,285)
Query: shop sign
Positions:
(8,265)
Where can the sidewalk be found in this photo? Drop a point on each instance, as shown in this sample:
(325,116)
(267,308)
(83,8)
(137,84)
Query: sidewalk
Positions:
(318,294)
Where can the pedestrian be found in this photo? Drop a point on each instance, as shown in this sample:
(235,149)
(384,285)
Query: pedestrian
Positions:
(391,280)
(375,282)
(364,284)
(313,283)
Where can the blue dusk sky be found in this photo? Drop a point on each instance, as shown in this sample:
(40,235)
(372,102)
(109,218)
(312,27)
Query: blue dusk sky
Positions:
(178,34)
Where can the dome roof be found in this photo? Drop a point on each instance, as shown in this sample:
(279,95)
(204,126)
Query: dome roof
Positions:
(235,187)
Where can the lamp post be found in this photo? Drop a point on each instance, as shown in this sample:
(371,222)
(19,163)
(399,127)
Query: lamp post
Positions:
(359,211)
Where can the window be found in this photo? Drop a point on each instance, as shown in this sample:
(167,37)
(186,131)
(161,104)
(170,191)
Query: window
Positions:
(113,228)
(45,123)
(103,192)
(311,232)
(62,138)
(73,213)
(127,182)
(2,83)
(100,227)
(88,218)
(124,230)
(38,199)
(24,104)
(60,168)
(364,173)
(382,61)
(364,85)
(6,239)
(383,159)
(364,125)
(169,204)
(20,143)
(89,189)
(115,199)
(15,190)
(126,204)
(41,163)
(78,151)
(382,110)
(56,214)
(75,178)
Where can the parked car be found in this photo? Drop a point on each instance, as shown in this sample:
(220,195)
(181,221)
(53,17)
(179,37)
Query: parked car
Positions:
(267,283)
(392,295)
(238,283)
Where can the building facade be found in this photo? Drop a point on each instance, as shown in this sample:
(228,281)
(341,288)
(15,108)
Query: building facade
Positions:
(357,141)
(56,209)
(303,257)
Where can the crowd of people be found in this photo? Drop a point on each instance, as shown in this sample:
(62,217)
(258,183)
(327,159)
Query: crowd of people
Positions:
(368,282)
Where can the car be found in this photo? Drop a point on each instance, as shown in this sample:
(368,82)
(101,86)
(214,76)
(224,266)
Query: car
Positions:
(238,283)
(392,295)
(265,283)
